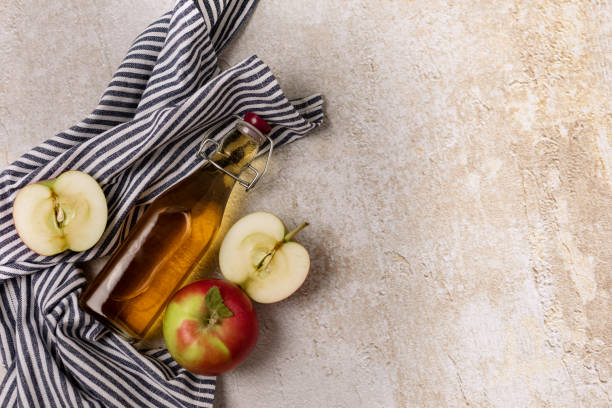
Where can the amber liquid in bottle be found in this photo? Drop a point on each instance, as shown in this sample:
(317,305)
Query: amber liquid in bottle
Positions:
(162,251)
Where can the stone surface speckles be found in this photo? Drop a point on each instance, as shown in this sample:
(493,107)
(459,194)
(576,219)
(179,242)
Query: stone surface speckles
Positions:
(459,195)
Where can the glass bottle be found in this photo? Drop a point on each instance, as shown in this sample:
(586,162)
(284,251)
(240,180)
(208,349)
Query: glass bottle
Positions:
(162,251)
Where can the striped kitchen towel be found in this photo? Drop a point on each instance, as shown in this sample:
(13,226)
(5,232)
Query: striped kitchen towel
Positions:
(141,138)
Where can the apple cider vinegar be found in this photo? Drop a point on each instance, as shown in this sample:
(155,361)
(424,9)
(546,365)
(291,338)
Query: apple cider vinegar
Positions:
(162,252)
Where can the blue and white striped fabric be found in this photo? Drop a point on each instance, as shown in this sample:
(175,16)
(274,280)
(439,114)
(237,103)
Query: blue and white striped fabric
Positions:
(141,138)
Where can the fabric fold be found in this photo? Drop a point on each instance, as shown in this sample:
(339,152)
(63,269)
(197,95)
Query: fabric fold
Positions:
(141,138)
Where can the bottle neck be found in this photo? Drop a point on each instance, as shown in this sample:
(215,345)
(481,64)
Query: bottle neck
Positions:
(237,150)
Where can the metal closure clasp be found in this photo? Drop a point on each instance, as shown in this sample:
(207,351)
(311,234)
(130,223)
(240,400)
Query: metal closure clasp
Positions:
(244,183)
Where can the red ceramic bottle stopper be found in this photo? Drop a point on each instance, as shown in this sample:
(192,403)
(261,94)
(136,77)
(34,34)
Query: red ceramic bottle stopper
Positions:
(258,122)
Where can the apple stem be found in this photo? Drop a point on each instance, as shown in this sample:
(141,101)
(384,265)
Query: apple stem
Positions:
(279,244)
(290,235)
(213,319)
(215,307)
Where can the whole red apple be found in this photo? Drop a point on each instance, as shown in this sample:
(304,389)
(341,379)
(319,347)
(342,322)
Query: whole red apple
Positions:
(210,326)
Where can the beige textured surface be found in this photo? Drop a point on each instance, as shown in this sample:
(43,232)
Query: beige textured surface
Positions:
(459,195)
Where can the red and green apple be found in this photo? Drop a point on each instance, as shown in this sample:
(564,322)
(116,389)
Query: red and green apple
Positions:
(210,326)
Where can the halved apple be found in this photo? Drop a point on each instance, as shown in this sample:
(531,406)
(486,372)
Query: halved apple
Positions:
(258,255)
(68,212)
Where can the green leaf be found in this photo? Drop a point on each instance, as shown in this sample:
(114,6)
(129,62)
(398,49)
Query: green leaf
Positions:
(213,298)
(224,311)
(214,303)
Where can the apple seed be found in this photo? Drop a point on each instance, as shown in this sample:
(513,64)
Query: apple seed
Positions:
(59,214)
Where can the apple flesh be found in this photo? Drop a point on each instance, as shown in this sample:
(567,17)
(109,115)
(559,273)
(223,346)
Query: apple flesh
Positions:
(210,326)
(68,212)
(258,255)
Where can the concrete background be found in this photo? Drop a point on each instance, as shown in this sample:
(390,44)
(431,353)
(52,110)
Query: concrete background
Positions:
(459,194)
